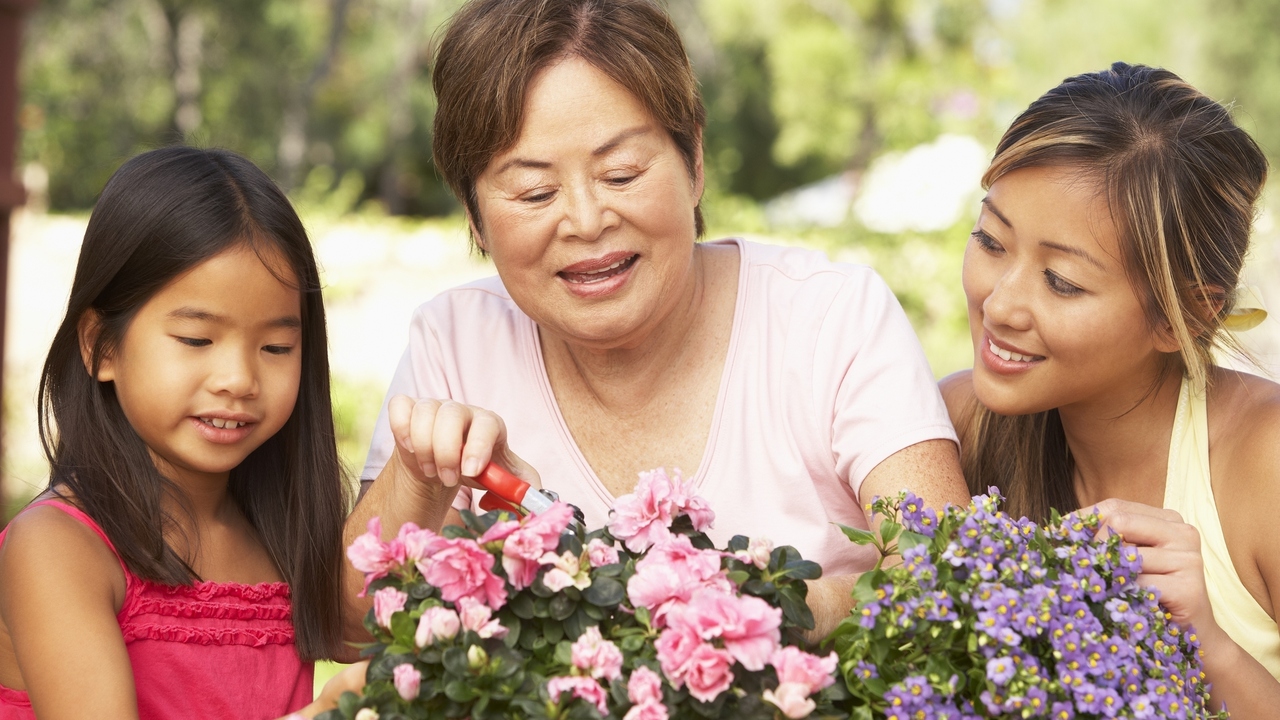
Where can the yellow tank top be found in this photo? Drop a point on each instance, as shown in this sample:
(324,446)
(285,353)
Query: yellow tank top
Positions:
(1188,491)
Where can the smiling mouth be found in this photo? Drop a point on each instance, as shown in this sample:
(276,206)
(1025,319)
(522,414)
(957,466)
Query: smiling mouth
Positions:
(595,276)
(220,423)
(1010,355)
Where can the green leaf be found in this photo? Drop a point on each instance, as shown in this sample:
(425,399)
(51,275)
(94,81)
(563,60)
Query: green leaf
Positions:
(403,629)
(349,703)
(605,592)
(522,605)
(459,691)
(562,606)
(552,631)
(908,540)
(564,653)
(738,543)
(455,661)
(803,570)
(795,610)
(889,530)
(859,536)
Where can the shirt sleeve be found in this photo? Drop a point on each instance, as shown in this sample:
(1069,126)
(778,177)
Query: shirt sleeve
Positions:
(885,395)
(421,374)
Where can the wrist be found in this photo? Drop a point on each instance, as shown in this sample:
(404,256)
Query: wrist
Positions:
(424,501)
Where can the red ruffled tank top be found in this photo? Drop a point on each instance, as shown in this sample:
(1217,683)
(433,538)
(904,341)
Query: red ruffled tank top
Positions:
(222,651)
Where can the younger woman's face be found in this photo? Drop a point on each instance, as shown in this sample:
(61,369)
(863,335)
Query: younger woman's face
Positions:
(209,367)
(1054,318)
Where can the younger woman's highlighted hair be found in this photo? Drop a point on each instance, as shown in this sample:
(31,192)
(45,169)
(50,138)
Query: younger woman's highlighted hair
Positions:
(1181,180)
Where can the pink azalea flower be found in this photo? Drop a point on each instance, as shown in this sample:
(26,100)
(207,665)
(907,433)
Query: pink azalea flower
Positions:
(600,553)
(643,518)
(708,672)
(387,602)
(414,542)
(596,656)
(695,506)
(478,618)
(436,624)
(370,555)
(581,687)
(792,699)
(644,686)
(758,552)
(407,680)
(524,548)
(647,711)
(675,647)
(499,531)
(746,625)
(794,665)
(567,571)
(670,574)
(461,568)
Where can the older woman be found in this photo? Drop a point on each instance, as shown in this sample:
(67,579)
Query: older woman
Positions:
(791,389)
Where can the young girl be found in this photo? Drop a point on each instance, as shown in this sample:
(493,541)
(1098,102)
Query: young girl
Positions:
(185,560)
(1099,278)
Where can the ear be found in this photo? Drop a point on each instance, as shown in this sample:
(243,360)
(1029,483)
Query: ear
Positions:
(475,233)
(87,329)
(1164,339)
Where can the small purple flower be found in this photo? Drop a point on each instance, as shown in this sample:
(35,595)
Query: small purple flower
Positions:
(1000,670)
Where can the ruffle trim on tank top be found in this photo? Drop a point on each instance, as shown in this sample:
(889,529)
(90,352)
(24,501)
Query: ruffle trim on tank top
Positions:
(225,611)
(202,590)
(253,637)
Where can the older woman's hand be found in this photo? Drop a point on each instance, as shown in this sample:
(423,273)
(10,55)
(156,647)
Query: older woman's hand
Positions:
(450,442)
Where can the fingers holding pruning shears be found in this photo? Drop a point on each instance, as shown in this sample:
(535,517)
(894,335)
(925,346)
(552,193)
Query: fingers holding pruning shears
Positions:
(451,442)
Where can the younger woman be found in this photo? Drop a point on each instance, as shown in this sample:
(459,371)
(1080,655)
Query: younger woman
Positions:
(1099,277)
(185,559)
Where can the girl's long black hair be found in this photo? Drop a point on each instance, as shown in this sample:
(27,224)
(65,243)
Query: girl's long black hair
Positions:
(161,214)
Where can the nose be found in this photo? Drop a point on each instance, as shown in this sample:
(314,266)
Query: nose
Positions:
(586,215)
(1007,305)
(235,373)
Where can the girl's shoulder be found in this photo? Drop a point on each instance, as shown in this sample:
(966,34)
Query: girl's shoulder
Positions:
(45,540)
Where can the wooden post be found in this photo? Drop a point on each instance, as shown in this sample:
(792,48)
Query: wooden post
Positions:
(11,192)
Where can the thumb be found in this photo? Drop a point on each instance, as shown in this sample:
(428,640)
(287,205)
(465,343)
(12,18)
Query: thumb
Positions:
(503,455)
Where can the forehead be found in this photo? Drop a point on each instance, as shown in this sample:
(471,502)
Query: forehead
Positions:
(243,280)
(1056,205)
(573,105)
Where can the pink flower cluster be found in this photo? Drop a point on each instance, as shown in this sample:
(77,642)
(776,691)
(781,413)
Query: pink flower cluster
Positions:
(643,518)
(527,544)
(644,690)
(459,567)
(799,676)
(671,573)
(713,630)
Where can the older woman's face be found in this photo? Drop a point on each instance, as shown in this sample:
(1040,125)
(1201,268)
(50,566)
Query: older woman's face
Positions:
(589,217)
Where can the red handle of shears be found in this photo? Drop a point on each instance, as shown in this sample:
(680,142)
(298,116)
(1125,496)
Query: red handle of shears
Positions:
(505,491)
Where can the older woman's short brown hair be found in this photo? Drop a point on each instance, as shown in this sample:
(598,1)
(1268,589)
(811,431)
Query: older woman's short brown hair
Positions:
(493,48)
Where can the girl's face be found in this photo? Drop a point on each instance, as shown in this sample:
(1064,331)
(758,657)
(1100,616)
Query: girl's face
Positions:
(209,367)
(1054,318)
(589,217)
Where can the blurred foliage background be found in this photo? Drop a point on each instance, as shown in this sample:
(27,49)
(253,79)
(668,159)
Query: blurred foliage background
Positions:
(857,126)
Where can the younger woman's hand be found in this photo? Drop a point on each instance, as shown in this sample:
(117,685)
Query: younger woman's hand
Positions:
(448,442)
(1171,559)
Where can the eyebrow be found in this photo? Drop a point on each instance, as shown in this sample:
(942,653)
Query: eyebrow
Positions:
(190,313)
(604,149)
(986,201)
(1073,251)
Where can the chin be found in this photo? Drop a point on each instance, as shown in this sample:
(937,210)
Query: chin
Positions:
(1002,399)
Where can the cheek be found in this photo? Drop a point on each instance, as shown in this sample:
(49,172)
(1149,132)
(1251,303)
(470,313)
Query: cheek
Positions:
(976,278)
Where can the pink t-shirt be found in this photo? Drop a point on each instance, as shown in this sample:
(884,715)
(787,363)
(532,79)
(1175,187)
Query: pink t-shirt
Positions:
(824,379)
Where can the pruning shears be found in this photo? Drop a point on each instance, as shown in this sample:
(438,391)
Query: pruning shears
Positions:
(508,492)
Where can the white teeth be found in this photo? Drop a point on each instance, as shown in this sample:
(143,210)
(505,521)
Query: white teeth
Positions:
(220,423)
(614,266)
(1008,354)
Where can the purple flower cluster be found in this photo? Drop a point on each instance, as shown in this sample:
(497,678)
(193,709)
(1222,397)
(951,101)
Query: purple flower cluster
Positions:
(988,616)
